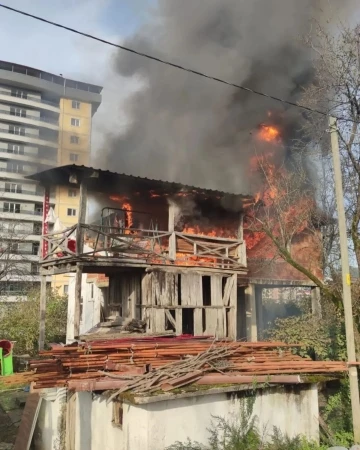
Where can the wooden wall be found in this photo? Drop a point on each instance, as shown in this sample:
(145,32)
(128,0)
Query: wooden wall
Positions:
(185,302)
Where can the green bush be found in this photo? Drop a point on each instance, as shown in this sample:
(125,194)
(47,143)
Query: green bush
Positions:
(20,321)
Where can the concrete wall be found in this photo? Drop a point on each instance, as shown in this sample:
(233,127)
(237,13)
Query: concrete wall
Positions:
(155,426)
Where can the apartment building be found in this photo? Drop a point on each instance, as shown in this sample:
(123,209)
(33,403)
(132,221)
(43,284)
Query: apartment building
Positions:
(45,121)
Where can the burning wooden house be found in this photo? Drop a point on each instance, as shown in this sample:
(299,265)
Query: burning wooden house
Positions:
(173,256)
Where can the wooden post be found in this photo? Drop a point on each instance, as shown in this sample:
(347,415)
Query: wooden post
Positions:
(250,305)
(81,217)
(241,228)
(77,318)
(42,312)
(347,301)
(171,228)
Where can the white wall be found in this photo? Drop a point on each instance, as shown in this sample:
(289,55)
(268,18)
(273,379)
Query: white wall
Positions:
(155,426)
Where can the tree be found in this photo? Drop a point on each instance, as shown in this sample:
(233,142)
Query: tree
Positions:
(20,321)
(15,246)
(291,199)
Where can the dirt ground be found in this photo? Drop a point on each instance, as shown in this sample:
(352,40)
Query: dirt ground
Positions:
(11,407)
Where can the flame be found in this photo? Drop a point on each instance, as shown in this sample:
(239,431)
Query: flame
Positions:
(269,133)
(126,206)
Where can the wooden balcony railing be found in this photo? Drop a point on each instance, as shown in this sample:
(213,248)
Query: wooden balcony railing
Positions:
(91,242)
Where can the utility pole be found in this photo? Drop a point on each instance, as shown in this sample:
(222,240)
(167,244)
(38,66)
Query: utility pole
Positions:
(346,282)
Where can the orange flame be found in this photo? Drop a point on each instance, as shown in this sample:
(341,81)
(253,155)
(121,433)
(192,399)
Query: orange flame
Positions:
(125,205)
(269,133)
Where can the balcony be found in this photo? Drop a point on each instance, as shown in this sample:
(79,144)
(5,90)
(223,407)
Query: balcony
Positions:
(45,122)
(144,247)
(29,100)
(26,136)
(33,216)
(23,195)
(28,156)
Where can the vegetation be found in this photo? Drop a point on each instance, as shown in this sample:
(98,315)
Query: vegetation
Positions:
(20,321)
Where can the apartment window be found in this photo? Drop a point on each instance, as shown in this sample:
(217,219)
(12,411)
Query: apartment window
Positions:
(74,139)
(14,247)
(71,212)
(18,93)
(35,248)
(75,104)
(74,157)
(15,167)
(20,112)
(72,193)
(16,130)
(11,207)
(34,268)
(66,289)
(13,187)
(37,228)
(75,122)
(15,149)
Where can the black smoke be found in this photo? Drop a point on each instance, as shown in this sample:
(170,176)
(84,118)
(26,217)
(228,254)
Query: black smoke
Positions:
(197,131)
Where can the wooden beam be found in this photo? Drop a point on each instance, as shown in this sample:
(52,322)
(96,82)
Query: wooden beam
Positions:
(42,312)
(250,305)
(81,217)
(77,318)
(171,228)
(241,228)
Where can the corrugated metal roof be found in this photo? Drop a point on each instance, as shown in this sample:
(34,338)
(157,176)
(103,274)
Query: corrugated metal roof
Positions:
(50,176)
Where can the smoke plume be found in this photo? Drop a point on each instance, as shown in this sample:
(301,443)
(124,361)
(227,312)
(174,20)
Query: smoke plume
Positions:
(186,128)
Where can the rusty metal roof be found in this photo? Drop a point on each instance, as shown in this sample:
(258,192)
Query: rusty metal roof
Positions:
(106,179)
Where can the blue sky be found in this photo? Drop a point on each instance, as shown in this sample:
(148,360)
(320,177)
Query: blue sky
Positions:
(26,41)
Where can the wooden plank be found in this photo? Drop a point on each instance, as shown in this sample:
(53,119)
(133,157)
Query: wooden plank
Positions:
(250,305)
(170,318)
(232,313)
(71,423)
(216,299)
(158,315)
(28,422)
(145,298)
(186,289)
(81,217)
(197,299)
(77,318)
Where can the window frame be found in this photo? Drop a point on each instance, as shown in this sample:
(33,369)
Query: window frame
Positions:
(75,104)
(16,209)
(74,139)
(74,157)
(72,210)
(75,122)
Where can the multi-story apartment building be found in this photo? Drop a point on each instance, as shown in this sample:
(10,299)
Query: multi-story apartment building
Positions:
(45,121)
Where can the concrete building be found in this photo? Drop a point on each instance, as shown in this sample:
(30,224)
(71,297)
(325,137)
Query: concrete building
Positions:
(45,121)
(88,421)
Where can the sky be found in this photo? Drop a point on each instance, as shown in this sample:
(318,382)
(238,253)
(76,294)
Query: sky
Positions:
(29,42)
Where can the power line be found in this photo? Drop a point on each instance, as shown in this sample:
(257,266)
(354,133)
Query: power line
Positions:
(168,63)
